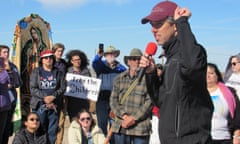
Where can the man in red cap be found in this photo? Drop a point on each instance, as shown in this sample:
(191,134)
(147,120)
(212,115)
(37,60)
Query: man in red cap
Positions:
(47,85)
(181,94)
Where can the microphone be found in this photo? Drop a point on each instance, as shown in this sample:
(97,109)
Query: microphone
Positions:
(151,50)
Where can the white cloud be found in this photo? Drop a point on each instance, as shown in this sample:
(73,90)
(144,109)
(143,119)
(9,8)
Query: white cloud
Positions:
(75,3)
(62,3)
(113,1)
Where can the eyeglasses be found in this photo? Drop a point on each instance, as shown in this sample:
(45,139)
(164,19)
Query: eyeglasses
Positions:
(134,58)
(34,119)
(86,118)
(76,60)
(234,63)
(48,57)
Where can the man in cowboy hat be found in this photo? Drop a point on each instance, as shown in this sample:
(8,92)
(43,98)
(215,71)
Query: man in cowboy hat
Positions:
(132,116)
(106,70)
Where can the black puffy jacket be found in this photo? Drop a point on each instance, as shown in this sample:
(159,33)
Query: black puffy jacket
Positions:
(182,96)
(25,137)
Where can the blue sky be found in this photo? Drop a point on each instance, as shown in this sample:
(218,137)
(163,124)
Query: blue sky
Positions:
(82,24)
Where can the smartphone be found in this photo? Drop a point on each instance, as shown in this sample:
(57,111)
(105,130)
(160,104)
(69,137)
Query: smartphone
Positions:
(101,47)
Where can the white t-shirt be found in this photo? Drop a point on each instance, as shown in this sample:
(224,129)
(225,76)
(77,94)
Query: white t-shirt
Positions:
(234,82)
(219,130)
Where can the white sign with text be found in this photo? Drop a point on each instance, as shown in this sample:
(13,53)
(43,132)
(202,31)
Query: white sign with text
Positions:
(82,86)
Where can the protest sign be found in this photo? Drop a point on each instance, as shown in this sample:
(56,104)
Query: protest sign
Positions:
(82,86)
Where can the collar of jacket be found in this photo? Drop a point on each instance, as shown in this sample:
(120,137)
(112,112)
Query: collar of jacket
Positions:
(170,47)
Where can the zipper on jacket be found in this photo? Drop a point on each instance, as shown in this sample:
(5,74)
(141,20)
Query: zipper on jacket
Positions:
(177,120)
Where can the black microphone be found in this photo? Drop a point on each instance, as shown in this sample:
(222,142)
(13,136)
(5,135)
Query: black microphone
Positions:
(151,49)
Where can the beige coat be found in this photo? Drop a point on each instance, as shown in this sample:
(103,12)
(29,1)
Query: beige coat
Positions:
(74,134)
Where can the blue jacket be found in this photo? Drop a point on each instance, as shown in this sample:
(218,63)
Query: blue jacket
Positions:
(105,73)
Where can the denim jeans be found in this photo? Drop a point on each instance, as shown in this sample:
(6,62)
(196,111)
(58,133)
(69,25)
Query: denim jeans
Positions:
(102,111)
(49,119)
(129,139)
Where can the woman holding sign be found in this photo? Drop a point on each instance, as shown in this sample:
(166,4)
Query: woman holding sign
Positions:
(77,64)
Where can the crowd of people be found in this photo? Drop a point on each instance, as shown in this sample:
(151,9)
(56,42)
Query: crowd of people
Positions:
(185,100)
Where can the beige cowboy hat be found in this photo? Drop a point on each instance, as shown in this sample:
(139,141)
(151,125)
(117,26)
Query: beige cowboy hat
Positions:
(112,49)
(135,52)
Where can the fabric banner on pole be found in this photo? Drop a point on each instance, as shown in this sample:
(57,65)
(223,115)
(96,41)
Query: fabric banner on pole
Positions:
(31,36)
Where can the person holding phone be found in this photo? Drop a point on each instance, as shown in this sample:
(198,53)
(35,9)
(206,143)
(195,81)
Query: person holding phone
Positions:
(106,70)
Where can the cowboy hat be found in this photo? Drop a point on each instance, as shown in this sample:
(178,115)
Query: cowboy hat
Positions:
(135,52)
(112,49)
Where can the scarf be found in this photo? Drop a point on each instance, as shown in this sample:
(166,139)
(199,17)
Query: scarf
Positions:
(229,97)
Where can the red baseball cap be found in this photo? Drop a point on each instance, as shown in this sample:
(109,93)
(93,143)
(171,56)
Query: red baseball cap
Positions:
(161,11)
(46,53)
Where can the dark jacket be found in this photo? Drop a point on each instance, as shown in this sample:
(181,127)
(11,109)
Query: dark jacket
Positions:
(25,137)
(234,123)
(38,95)
(61,65)
(182,95)
(15,80)
(4,95)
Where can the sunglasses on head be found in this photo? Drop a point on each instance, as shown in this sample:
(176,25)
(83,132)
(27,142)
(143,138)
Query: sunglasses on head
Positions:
(86,118)
(234,63)
(34,119)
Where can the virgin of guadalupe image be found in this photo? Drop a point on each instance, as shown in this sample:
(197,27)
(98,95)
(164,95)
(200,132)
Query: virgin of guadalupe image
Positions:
(30,56)
(32,35)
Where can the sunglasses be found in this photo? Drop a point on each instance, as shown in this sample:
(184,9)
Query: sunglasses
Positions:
(157,25)
(234,63)
(33,119)
(86,118)
(134,58)
(48,57)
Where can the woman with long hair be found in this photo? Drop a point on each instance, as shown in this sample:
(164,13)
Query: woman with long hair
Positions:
(225,128)
(83,130)
(77,64)
(232,73)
